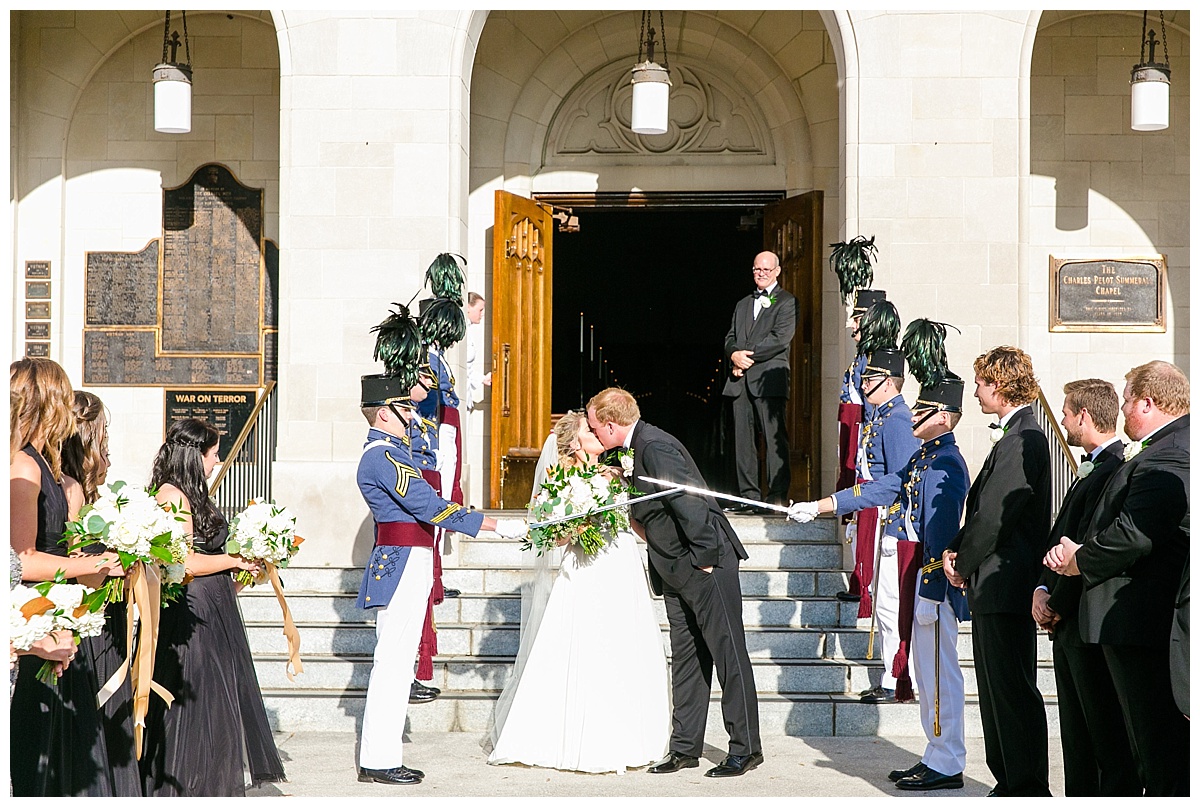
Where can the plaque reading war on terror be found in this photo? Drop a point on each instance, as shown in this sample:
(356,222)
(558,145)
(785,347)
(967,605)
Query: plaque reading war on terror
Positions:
(227,410)
(1115,295)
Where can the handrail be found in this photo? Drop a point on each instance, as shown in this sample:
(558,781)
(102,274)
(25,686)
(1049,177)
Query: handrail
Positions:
(251,422)
(1063,465)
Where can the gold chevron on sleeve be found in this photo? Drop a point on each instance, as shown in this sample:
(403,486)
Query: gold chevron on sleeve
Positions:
(404,475)
(450,508)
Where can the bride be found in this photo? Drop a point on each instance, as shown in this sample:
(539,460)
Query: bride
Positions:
(589,689)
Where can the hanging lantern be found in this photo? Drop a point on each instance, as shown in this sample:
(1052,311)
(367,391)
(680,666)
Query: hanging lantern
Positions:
(173,84)
(651,83)
(1151,83)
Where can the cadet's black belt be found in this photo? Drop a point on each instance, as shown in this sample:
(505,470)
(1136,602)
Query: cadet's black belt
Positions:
(403,533)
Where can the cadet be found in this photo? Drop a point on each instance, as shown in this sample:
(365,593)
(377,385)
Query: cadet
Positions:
(852,406)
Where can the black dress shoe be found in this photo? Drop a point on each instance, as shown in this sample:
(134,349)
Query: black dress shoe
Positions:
(878,695)
(734,765)
(846,596)
(929,779)
(450,592)
(739,509)
(419,693)
(674,762)
(391,776)
(896,776)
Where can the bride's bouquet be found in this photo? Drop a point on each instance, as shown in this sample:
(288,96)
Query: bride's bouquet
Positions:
(37,611)
(578,491)
(128,520)
(263,532)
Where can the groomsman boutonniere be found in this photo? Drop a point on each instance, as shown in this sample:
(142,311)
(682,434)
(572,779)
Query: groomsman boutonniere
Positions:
(1133,449)
(1085,468)
(998,432)
(767,301)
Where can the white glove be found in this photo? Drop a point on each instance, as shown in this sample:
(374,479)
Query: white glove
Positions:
(927,611)
(802,512)
(512,527)
(851,531)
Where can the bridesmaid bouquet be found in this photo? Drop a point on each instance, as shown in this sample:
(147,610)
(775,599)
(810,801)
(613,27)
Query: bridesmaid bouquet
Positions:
(577,491)
(129,521)
(263,532)
(38,610)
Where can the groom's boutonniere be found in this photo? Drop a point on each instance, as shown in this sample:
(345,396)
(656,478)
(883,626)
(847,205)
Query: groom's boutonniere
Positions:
(1133,449)
(1085,468)
(626,459)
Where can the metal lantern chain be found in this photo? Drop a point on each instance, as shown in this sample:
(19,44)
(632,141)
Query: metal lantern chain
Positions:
(187,47)
(1162,28)
(646,39)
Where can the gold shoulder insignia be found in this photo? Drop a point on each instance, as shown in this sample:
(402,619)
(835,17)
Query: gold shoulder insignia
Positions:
(404,475)
(450,508)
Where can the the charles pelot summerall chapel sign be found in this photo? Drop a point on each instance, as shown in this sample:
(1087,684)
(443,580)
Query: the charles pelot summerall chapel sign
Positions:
(1123,295)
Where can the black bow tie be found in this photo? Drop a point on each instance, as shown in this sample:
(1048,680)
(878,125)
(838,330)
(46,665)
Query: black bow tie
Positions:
(760,293)
(995,426)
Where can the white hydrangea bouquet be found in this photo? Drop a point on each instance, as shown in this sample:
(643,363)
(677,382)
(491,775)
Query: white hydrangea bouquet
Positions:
(128,520)
(264,532)
(37,611)
(578,490)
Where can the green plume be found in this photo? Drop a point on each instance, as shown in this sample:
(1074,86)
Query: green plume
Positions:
(398,345)
(445,278)
(443,323)
(851,262)
(925,350)
(879,328)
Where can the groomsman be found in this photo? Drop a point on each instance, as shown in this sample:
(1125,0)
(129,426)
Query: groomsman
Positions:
(996,556)
(1131,556)
(1097,760)
(887,445)
(759,349)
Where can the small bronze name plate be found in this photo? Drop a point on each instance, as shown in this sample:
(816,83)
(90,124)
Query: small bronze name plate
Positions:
(37,310)
(37,330)
(1124,295)
(226,409)
(37,270)
(37,350)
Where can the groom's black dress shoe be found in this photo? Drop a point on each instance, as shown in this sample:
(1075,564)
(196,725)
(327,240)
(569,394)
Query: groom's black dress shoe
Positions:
(740,509)
(896,776)
(419,693)
(929,779)
(674,762)
(391,776)
(734,765)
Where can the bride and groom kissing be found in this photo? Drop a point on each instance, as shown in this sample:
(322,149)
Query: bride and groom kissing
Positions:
(589,689)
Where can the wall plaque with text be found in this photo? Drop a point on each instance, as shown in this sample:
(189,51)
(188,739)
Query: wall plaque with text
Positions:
(1123,295)
(226,409)
(37,270)
(122,287)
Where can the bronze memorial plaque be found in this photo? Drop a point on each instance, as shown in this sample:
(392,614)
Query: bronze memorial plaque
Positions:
(227,409)
(1123,295)
(212,262)
(37,350)
(122,287)
(37,290)
(37,270)
(127,358)
(37,330)
(37,310)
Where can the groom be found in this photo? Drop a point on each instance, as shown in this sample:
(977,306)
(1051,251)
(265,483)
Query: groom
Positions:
(694,555)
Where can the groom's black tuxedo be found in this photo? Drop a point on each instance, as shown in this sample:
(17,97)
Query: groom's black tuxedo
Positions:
(685,533)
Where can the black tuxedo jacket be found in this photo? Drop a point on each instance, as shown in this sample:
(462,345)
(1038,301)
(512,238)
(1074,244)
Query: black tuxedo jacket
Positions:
(1136,542)
(770,337)
(1073,516)
(1003,539)
(684,531)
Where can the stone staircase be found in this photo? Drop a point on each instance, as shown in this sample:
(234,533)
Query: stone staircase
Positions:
(808,648)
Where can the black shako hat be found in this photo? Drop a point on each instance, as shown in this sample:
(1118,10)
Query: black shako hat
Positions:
(945,395)
(381,390)
(887,361)
(865,298)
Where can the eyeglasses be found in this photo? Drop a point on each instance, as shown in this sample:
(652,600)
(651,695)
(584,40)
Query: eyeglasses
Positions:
(764,269)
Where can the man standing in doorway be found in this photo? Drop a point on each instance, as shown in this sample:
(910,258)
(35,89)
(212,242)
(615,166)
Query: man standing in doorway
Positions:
(759,348)
(476,378)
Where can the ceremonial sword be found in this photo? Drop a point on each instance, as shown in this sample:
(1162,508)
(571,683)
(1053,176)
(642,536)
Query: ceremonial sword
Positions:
(703,492)
(573,516)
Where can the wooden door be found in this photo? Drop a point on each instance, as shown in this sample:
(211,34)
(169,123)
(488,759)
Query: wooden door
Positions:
(792,230)
(521,327)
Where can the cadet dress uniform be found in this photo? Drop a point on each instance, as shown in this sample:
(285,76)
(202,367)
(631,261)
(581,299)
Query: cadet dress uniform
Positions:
(398,578)
(441,407)
(932,494)
(423,451)
(886,447)
(853,410)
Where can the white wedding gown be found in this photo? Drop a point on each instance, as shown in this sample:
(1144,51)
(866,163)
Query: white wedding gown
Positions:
(592,694)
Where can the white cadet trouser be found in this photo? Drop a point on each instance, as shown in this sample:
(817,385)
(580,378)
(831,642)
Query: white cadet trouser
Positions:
(887,609)
(397,635)
(948,753)
(447,458)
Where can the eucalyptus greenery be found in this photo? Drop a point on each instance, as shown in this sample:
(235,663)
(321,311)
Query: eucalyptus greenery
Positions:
(577,490)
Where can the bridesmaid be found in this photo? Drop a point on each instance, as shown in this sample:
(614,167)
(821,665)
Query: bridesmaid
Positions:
(218,724)
(61,749)
(85,461)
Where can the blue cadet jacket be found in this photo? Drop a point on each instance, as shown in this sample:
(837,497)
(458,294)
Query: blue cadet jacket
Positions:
(423,443)
(932,496)
(887,444)
(399,498)
(852,391)
(445,387)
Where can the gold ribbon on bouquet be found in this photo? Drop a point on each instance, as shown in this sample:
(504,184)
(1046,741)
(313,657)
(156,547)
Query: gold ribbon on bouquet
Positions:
(144,589)
(289,626)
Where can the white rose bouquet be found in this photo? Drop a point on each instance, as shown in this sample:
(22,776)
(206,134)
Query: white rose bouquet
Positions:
(578,490)
(264,532)
(129,521)
(37,611)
